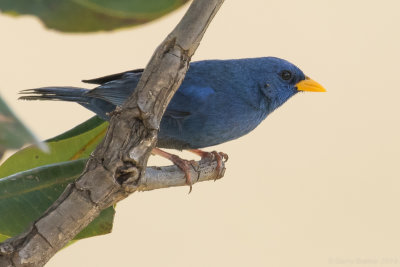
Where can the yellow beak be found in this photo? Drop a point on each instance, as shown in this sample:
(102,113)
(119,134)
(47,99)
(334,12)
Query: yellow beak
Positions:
(310,86)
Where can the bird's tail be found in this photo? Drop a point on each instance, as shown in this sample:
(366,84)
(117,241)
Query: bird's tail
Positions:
(72,94)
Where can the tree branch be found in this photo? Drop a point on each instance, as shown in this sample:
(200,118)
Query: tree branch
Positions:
(171,176)
(117,166)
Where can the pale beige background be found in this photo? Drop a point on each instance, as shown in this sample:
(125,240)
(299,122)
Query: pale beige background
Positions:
(317,184)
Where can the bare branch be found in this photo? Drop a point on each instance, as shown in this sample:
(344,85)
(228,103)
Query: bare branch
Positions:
(171,176)
(117,166)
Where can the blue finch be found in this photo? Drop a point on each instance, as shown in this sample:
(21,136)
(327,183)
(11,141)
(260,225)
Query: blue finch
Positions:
(218,101)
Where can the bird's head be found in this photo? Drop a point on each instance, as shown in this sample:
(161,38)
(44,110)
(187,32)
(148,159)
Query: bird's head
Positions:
(283,79)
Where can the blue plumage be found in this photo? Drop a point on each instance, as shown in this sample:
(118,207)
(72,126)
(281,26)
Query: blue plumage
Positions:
(218,101)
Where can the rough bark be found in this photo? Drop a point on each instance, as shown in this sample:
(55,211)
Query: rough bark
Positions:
(117,166)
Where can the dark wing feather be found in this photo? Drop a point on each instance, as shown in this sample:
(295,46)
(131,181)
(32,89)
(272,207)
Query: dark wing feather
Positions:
(176,117)
(112,77)
(116,91)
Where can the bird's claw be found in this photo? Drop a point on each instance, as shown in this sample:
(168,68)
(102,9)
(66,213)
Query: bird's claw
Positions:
(184,165)
(219,156)
(214,155)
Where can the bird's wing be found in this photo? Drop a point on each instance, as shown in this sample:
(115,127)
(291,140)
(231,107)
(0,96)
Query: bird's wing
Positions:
(112,77)
(175,117)
(118,90)
(187,108)
(176,114)
(187,101)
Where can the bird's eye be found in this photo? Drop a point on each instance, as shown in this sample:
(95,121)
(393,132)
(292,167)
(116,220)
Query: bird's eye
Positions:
(286,75)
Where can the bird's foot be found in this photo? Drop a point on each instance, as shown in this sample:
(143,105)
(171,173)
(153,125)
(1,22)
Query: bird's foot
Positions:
(214,155)
(182,164)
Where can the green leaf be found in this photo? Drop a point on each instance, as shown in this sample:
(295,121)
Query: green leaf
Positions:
(26,195)
(3,237)
(13,134)
(85,126)
(36,179)
(74,144)
(91,15)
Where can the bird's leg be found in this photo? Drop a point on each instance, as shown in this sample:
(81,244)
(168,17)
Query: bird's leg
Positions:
(183,164)
(219,156)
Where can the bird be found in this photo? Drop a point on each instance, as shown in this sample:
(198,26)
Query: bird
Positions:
(218,101)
